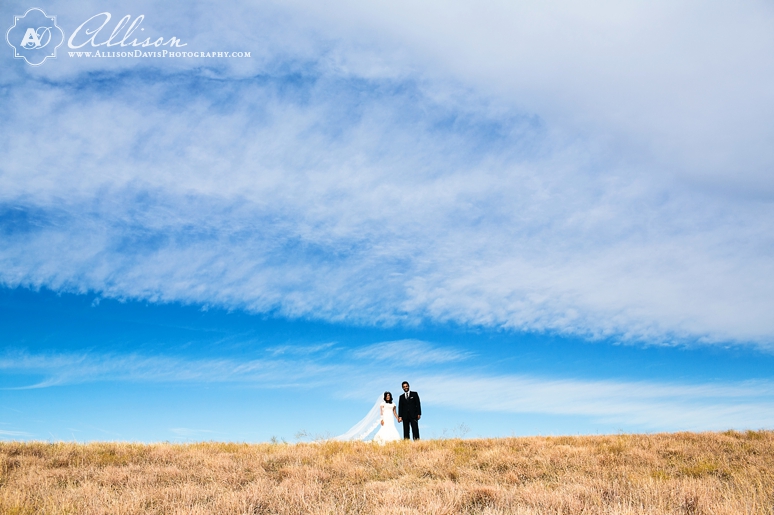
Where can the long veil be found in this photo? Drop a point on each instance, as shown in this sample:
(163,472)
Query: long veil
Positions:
(363,428)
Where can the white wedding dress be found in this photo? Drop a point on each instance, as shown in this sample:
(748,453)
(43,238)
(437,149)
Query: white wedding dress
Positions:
(381,411)
(387,432)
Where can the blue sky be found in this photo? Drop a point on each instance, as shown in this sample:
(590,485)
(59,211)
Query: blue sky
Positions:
(549,217)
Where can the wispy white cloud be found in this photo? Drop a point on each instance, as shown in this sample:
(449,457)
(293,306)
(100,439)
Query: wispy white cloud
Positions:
(60,369)
(410,351)
(644,404)
(681,82)
(4,432)
(302,349)
(286,365)
(504,166)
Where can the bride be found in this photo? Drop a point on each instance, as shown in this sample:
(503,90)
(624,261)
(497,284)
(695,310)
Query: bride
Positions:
(382,413)
(387,433)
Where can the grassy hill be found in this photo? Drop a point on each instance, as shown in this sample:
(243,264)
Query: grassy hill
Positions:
(728,473)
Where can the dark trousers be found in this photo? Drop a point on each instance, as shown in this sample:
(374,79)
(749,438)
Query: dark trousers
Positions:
(414,425)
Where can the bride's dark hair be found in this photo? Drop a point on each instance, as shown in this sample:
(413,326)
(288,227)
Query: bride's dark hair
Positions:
(385,397)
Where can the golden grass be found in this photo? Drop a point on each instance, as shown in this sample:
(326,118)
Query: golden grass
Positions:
(727,473)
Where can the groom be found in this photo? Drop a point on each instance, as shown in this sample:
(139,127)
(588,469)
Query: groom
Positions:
(409,412)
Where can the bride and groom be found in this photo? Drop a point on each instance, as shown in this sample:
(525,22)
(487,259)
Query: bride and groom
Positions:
(384,413)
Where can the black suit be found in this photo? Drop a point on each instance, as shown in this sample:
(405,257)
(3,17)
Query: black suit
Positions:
(409,410)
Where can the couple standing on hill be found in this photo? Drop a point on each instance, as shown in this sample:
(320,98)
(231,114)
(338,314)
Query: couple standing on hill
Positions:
(384,413)
(409,412)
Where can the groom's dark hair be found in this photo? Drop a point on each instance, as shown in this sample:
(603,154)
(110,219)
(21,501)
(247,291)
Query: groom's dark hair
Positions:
(404,382)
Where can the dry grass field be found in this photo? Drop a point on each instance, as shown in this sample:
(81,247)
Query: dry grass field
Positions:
(727,473)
